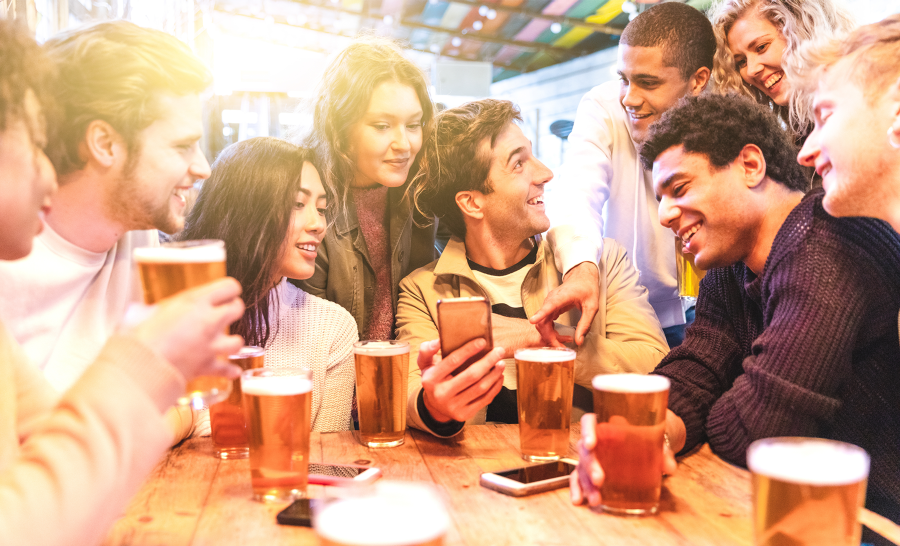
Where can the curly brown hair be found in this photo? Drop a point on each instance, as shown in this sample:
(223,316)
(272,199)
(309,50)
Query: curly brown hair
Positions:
(452,159)
(342,99)
(718,127)
(23,67)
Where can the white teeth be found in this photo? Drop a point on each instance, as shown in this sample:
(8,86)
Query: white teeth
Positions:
(311,248)
(773,79)
(536,201)
(686,237)
(179,193)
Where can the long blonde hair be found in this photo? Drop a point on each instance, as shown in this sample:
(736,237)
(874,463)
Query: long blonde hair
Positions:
(798,21)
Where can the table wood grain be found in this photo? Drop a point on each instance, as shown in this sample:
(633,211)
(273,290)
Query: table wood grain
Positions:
(194,499)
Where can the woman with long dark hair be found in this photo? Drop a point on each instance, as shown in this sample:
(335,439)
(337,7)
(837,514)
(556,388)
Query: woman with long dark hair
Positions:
(265,199)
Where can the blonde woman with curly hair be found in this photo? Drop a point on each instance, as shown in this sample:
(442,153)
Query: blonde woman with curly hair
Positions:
(757,40)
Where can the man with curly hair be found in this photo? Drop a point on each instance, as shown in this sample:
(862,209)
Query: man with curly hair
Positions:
(665,53)
(126,151)
(791,337)
(70,462)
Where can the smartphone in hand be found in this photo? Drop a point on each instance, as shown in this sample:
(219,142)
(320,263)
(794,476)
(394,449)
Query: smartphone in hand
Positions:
(460,320)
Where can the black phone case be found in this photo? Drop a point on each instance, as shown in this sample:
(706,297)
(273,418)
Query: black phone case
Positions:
(299,513)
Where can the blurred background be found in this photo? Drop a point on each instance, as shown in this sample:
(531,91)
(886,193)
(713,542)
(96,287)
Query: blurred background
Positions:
(267,55)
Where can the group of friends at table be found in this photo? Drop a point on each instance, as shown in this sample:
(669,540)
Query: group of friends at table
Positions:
(774,158)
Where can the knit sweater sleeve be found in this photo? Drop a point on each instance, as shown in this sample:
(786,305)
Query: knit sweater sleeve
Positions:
(340,372)
(702,367)
(817,296)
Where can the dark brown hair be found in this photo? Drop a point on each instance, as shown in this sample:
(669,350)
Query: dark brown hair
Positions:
(343,98)
(452,160)
(114,71)
(247,202)
(684,34)
(23,66)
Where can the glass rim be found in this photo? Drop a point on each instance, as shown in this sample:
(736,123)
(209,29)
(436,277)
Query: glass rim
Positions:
(625,383)
(192,243)
(195,251)
(828,477)
(248,351)
(277,372)
(556,357)
(391,347)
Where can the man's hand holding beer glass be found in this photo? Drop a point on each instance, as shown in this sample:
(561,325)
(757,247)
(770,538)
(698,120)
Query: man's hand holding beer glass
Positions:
(458,398)
(188,329)
(586,481)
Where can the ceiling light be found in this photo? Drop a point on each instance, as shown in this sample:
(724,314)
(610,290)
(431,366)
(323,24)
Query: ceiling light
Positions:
(555,28)
(477,25)
(491,14)
(456,41)
(483,11)
(388,20)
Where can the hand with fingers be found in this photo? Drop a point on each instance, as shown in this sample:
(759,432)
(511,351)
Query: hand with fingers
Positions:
(459,398)
(189,328)
(587,479)
(581,289)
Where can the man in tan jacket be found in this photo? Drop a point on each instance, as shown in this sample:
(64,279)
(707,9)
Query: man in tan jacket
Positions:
(479,177)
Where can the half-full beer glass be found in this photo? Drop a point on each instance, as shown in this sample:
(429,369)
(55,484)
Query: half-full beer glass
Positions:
(388,512)
(631,425)
(277,406)
(382,368)
(170,268)
(545,380)
(807,491)
(226,419)
(689,275)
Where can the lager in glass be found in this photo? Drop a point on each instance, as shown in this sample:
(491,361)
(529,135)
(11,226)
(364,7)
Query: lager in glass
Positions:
(382,369)
(545,380)
(170,268)
(277,406)
(631,424)
(688,274)
(395,513)
(226,419)
(807,491)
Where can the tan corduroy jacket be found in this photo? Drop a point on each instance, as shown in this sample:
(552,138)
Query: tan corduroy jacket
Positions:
(624,337)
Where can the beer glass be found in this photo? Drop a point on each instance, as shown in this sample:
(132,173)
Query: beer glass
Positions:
(807,491)
(277,406)
(688,274)
(226,419)
(396,513)
(382,369)
(631,425)
(545,380)
(170,268)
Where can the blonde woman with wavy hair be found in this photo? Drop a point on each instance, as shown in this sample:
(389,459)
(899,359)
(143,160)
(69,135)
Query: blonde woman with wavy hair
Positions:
(758,40)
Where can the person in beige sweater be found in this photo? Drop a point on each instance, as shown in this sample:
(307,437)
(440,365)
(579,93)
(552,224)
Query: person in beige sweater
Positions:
(69,463)
(494,206)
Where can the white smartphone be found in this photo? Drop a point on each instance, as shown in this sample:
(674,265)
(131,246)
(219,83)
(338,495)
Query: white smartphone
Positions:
(339,474)
(528,480)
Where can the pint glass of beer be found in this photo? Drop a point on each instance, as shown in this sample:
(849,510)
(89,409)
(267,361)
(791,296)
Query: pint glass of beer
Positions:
(382,368)
(277,406)
(688,274)
(226,419)
(807,491)
(170,268)
(545,380)
(631,425)
(396,513)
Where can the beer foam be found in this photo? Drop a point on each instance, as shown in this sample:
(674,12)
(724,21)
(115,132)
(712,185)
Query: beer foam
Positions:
(248,352)
(380,520)
(545,355)
(213,251)
(811,461)
(380,348)
(275,385)
(630,382)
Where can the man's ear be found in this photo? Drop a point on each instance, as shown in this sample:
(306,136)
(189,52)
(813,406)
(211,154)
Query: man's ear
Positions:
(699,80)
(753,165)
(471,204)
(102,145)
(893,97)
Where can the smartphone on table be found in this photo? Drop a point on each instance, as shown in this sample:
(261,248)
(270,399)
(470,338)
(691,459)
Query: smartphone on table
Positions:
(460,320)
(529,480)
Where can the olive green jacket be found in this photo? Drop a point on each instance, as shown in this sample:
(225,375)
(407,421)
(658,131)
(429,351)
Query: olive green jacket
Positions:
(344,272)
(624,337)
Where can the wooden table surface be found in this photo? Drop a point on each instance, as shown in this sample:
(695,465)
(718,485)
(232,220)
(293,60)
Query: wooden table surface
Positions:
(193,498)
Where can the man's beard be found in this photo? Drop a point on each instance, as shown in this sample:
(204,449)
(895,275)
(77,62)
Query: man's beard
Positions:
(132,208)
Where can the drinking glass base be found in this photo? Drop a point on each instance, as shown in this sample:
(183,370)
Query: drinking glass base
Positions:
(541,458)
(618,511)
(390,443)
(233,453)
(279,496)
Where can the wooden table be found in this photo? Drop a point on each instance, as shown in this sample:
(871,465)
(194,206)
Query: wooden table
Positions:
(194,499)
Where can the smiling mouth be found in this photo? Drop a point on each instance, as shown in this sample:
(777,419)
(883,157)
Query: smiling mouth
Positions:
(773,79)
(638,117)
(689,234)
(309,247)
(181,193)
(539,200)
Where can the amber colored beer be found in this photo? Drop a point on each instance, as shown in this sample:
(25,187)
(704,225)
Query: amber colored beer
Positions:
(631,424)
(277,406)
(395,513)
(382,369)
(545,380)
(226,419)
(807,491)
(170,268)
(688,274)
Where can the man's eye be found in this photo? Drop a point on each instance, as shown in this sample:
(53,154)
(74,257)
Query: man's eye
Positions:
(677,191)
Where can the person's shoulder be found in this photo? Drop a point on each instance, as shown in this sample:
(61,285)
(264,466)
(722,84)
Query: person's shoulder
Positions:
(606,97)
(422,276)
(322,310)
